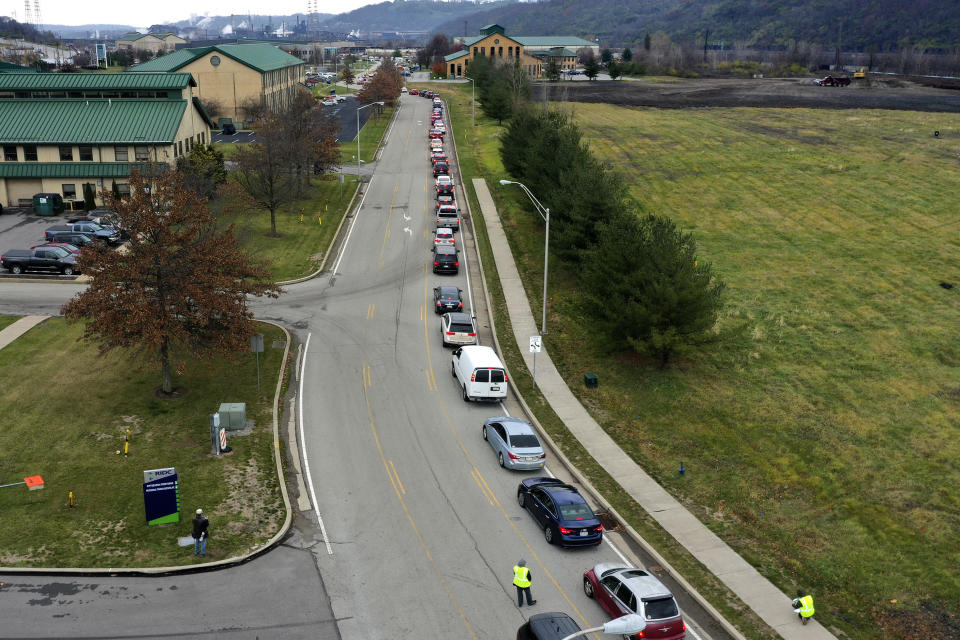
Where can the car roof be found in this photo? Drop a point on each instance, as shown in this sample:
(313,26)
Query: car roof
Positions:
(459,317)
(444,231)
(642,584)
(449,291)
(552,626)
(563,493)
(446,249)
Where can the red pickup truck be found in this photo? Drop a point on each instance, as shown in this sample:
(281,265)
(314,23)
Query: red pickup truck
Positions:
(832,81)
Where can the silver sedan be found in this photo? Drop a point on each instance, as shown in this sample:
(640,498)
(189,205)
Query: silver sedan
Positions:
(515,443)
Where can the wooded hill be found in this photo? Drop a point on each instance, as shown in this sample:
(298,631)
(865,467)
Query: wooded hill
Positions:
(878,25)
(415,15)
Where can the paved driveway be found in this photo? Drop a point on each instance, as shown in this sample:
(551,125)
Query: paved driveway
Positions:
(22,230)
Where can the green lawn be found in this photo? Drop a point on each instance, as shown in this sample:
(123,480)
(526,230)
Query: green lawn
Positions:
(302,243)
(6,321)
(71,438)
(370,136)
(819,433)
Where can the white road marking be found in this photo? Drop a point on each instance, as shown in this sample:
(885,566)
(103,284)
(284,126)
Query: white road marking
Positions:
(406,218)
(343,251)
(303,453)
(408,230)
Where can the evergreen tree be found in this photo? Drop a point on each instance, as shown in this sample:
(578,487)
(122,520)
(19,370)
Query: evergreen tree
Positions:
(347,74)
(666,299)
(498,100)
(553,70)
(606,56)
(89,197)
(591,68)
(646,42)
(627,55)
(614,69)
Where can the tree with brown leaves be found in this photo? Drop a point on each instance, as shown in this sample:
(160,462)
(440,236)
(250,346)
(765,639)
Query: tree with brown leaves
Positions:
(180,288)
(263,169)
(384,86)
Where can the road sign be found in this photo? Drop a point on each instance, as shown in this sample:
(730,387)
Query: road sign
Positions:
(536,344)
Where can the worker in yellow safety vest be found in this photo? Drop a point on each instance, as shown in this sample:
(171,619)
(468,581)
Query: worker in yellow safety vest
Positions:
(521,580)
(803,607)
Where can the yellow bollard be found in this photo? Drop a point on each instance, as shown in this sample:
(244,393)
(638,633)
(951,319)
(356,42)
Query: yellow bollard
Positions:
(71,501)
(126,448)
(319,221)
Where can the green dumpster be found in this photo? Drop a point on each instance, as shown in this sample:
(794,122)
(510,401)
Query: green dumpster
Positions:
(48,204)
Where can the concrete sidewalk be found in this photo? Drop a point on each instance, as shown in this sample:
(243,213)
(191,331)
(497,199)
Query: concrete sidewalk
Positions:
(758,593)
(18,328)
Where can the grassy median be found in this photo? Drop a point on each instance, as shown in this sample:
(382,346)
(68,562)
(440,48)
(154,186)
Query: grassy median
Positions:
(66,420)
(818,432)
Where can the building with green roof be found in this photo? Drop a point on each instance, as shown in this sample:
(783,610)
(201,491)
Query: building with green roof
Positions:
(155,43)
(59,131)
(532,52)
(234,80)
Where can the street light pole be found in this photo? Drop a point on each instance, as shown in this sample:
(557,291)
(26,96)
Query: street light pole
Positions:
(545,214)
(358,133)
(626,625)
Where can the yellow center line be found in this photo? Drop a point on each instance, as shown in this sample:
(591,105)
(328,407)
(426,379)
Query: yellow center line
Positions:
(400,484)
(479,484)
(413,524)
(370,311)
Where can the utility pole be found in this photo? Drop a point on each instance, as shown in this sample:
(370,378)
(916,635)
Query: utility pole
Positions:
(836,63)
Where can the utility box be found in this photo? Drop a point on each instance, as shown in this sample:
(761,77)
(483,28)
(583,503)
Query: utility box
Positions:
(233,415)
(590,379)
(47,204)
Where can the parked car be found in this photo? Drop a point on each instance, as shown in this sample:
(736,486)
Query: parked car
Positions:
(403,90)
(70,248)
(560,510)
(621,589)
(109,235)
(441,169)
(43,259)
(446,260)
(457,329)
(444,236)
(414,92)
(547,626)
(72,237)
(515,443)
(447,299)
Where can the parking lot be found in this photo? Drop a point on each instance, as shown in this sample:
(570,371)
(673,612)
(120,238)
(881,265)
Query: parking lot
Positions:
(22,229)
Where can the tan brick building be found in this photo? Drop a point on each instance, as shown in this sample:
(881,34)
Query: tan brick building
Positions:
(236,75)
(153,42)
(531,51)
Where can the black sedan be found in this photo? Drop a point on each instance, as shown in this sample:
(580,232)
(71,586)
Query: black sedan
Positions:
(560,510)
(447,299)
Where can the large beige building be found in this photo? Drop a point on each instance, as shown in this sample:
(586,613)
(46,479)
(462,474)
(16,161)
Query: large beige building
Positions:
(236,76)
(60,131)
(152,42)
(532,52)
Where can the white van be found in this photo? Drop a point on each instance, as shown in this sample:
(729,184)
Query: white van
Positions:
(480,373)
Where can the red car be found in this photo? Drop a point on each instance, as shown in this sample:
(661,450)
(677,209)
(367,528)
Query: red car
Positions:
(621,589)
(63,245)
(414,92)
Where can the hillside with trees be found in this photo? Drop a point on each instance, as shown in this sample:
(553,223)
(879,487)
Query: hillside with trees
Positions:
(880,25)
(413,15)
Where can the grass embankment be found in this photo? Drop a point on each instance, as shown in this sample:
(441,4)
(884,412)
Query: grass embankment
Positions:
(300,245)
(370,135)
(819,434)
(71,439)
(6,321)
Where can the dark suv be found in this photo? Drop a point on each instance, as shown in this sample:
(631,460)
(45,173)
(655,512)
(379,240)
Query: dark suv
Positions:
(445,260)
(548,626)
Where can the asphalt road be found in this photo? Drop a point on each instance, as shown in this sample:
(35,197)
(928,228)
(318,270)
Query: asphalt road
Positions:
(421,525)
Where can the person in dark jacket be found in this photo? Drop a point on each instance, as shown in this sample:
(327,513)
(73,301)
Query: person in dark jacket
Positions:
(201,527)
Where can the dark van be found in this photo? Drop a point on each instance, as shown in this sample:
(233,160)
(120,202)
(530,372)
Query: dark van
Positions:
(445,260)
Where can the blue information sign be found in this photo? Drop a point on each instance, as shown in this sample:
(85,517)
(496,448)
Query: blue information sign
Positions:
(161,496)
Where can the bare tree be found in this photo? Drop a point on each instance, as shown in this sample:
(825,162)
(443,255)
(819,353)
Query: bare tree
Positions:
(263,169)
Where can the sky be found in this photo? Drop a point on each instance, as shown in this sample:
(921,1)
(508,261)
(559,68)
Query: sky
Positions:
(144,14)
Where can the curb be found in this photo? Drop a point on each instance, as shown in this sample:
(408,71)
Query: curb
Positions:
(597,496)
(209,566)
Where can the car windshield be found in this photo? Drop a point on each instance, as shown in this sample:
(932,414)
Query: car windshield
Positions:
(576,512)
(58,251)
(524,441)
(660,608)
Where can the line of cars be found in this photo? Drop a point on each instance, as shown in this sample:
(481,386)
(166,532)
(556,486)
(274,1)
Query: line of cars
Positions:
(558,508)
(63,243)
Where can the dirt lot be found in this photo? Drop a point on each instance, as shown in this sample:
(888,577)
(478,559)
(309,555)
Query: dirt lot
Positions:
(678,93)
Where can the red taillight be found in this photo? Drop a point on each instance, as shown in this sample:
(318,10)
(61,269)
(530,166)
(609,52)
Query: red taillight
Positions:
(641,635)
(438,302)
(451,333)
(512,457)
(565,531)
(473,335)
(506,378)
(473,377)
(684,625)
(456,264)
(436,264)
(599,528)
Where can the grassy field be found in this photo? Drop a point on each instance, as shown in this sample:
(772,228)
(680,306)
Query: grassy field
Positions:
(819,432)
(6,321)
(71,439)
(301,245)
